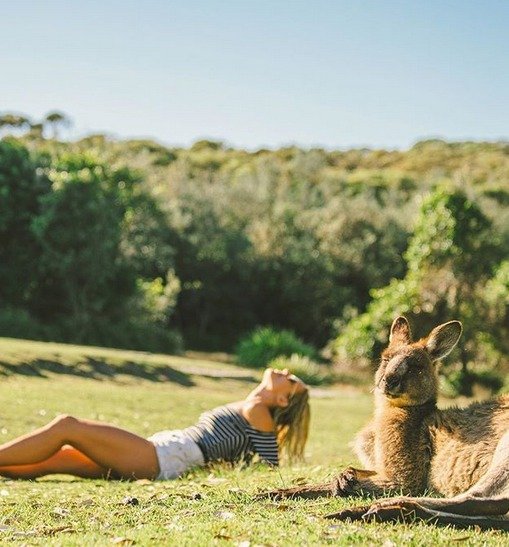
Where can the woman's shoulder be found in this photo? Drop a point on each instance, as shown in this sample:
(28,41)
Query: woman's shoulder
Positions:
(258,415)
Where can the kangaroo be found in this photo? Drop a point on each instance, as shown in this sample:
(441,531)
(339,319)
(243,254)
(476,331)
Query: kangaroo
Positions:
(411,447)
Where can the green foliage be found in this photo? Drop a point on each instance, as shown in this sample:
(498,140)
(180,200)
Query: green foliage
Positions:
(85,252)
(264,344)
(295,257)
(57,120)
(495,298)
(201,145)
(302,239)
(18,323)
(451,232)
(466,381)
(79,232)
(306,369)
(60,379)
(158,298)
(13,121)
(496,293)
(22,186)
(131,332)
(361,340)
(19,124)
(146,244)
(450,257)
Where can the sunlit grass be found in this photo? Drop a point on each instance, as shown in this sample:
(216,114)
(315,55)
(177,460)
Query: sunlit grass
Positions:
(209,506)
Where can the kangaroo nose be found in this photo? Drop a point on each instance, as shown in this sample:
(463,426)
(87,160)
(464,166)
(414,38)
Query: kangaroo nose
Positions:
(393,382)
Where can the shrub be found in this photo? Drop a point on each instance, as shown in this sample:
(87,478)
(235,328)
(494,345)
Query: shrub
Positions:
(306,369)
(264,344)
(462,382)
(135,335)
(18,323)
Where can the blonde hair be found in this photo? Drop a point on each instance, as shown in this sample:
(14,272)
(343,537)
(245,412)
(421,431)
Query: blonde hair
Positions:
(292,426)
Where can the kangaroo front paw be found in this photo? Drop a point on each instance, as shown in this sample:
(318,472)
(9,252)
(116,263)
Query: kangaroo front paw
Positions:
(347,483)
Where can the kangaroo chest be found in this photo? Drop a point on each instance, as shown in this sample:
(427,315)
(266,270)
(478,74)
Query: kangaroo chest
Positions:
(402,448)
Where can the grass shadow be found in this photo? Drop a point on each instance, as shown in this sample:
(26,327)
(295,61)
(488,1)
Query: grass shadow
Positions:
(97,369)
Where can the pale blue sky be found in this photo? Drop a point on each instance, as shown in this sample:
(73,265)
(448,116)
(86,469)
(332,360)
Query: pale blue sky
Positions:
(378,73)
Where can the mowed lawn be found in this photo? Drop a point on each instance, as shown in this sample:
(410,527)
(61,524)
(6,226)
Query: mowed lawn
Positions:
(146,393)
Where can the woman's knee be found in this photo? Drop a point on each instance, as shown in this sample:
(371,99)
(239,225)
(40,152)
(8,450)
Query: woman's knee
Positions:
(64,422)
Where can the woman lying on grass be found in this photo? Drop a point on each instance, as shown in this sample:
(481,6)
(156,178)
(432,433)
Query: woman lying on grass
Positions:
(272,421)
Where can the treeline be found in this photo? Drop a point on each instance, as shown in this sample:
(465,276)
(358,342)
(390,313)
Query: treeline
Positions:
(84,253)
(134,244)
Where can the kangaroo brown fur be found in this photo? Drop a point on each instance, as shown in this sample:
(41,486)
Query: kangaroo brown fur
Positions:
(412,447)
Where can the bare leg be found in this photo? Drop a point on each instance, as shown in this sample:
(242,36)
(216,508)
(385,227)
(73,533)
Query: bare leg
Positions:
(127,455)
(67,461)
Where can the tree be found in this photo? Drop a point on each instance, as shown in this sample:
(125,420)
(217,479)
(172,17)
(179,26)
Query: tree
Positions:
(22,186)
(79,231)
(496,336)
(105,272)
(450,257)
(57,120)
(14,121)
(36,131)
(211,261)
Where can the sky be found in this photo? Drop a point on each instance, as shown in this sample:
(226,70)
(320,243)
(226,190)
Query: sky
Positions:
(262,73)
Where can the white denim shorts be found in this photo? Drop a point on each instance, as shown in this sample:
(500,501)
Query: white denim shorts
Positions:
(176,453)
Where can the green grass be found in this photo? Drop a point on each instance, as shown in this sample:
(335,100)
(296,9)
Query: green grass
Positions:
(146,393)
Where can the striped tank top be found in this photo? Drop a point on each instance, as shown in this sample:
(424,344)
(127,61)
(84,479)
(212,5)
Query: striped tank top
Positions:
(223,434)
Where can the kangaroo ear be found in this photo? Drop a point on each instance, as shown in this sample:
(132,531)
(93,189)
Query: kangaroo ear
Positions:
(442,339)
(400,332)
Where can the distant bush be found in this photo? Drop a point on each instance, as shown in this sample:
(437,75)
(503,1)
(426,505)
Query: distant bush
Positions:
(264,344)
(305,368)
(127,334)
(464,382)
(145,336)
(18,323)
